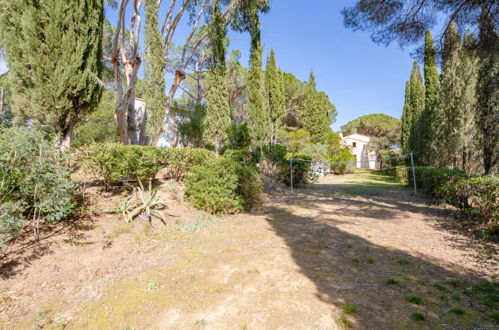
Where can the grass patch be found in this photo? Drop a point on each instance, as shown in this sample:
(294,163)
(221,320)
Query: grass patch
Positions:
(350,246)
(392,281)
(343,322)
(403,262)
(494,316)
(349,309)
(371,260)
(455,283)
(457,310)
(440,287)
(443,297)
(417,316)
(355,260)
(414,299)
(420,281)
(490,300)
(456,296)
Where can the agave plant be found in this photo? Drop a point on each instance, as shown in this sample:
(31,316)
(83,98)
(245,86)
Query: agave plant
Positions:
(144,204)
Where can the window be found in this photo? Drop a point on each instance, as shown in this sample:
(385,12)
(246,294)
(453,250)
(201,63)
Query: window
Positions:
(354,144)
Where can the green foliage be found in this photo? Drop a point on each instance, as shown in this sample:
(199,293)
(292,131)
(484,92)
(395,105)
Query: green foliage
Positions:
(406,121)
(34,181)
(317,112)
(349,309)
(301,171)
(239,137)
(112,162)
(416,104)
(457,310)
(375,125)
(223,185)
(100,125)
(155,96)
(414,299)
(274,92)
(417,316)
(474,196)
(144,204)
(218,116)
(54,52)
(191,130)
(178,162)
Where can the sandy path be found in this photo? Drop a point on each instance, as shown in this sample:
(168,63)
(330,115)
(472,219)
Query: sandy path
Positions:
(293,265)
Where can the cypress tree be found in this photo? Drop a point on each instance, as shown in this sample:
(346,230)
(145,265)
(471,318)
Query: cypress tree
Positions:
(259,121)
(406,120)
(416,100)
(314,115)
(448,137)
(432,85)
(217,120)
(488,93)
(155,96)
(54,51)
(275,95)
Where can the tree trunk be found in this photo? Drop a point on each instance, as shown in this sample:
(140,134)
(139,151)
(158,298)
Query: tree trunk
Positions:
(65,141)
(2,91)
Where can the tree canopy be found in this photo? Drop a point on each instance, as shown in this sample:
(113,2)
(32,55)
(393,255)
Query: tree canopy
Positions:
(374,125)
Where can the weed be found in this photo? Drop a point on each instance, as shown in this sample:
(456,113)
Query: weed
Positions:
(495,316)
(457,310)
(371,260)
(417,316)
(200,323)
(392,281)
(490,300)
(254,270)
(420,281)
(456,297)
(350,246)
(455,283)
(403,262)
(414,299)
(355,260)
(218,290)
(484,251)
(343,322)
(349,309)
(440,287)
(152,286)
(443,297)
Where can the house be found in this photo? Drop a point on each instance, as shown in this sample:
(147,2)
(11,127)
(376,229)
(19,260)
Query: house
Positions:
(358,143)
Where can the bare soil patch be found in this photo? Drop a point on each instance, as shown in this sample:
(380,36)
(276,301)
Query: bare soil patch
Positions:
(349,251)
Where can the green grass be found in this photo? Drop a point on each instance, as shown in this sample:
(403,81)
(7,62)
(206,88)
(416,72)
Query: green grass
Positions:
(440,287)
(343,322)
(355,260)
(371,260)
(349,309)
(392,281)
(455,283)
(420,281)
(403,262)
(414,299)
(417,316)
(494,316)
(457,310)
(456,296)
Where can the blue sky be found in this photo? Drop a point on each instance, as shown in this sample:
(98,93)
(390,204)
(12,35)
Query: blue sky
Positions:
(359,76)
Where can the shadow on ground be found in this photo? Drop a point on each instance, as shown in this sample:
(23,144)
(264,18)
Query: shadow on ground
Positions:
(376,280)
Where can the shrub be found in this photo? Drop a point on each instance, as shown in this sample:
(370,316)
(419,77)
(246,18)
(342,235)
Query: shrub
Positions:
(274,166)
(112,162)
(34,181)
(180,161)
(301,170)
(342,155)
(223,185)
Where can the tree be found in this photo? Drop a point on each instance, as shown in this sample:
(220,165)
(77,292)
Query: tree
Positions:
(406,120)
(487,114)
(432,85)
(155,96)
(54,51)
(217,120)
(274,91)
(416,100)
(317,112)
(375,125)
(407,20)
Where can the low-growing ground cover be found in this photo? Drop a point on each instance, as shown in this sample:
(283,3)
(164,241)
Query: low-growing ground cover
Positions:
(288,265)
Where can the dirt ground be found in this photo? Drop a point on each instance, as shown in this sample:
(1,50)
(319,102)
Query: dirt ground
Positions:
(353,251)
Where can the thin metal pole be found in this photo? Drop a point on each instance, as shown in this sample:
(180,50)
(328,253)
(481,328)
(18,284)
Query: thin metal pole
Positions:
(413,175)
(291,174)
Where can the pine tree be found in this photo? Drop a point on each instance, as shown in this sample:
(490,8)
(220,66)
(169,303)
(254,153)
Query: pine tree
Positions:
(314,115)
(155,96)
(275,95)
(416,100)
(432,85)
(54,52)
(406,120)
(259,121)
(488,93)
(217,120)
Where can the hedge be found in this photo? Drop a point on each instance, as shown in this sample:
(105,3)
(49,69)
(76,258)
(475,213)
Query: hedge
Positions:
(474,196)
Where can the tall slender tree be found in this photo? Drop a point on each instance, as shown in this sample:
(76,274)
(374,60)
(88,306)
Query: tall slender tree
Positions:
(155,96)
(488,93)
(417,103)
(406,120)
(54,52)
(275,95)
(218,117)
(432,85)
